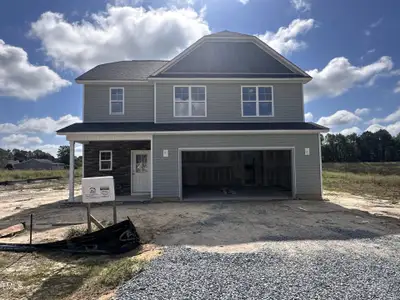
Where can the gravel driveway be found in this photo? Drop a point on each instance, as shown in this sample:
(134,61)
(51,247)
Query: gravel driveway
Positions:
(333,269)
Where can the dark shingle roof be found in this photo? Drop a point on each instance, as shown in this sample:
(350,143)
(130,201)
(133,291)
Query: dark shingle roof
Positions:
(148,126)
(230,59)
(123,70)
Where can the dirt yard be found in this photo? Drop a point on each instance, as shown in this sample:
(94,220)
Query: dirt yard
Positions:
(206,224)
(213,226)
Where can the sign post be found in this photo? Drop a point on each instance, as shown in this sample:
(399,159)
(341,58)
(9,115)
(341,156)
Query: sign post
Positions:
(98,190)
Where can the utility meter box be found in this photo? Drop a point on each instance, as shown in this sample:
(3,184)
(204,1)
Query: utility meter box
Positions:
(98,189)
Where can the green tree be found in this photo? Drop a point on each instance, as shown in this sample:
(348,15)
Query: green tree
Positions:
(63,154)
(380,146)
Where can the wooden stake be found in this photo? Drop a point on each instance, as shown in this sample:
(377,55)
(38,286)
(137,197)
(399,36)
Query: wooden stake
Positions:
(30,230)
(89,223)
(115,212)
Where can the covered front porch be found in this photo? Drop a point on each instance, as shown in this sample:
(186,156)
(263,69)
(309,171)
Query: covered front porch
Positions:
(127,158)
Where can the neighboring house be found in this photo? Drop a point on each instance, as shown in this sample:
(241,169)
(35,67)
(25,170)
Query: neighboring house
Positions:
(38,164)
(10,164)
(223,118)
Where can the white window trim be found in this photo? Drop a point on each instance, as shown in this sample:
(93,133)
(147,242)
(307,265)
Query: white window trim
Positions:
(110,160)
(258,101)
(190,101)
(117,101)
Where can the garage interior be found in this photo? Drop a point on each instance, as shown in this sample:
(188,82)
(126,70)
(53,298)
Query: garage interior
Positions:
(237,175)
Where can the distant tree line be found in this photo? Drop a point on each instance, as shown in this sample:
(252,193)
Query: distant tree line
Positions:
(380,146)
(23,155)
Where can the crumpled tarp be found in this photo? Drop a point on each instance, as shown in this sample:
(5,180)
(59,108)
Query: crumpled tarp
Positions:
(115,239)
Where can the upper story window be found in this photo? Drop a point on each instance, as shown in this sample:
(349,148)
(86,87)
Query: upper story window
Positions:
(117,101)
(257,101)
(190,101)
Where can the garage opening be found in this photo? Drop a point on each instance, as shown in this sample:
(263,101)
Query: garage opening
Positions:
(241,175)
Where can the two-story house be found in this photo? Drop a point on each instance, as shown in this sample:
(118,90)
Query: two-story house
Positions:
(223,119)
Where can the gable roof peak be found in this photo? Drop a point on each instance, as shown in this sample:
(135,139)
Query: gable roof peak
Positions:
(227,33)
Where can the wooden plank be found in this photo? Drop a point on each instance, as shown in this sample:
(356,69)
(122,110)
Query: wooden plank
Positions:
(96,222)
(9,231)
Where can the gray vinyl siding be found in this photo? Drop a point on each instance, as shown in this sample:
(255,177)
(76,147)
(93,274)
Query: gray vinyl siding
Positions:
(224,103)
(139,103)
(166,174)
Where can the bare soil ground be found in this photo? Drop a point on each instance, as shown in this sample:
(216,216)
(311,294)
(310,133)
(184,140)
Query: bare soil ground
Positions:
(207,226)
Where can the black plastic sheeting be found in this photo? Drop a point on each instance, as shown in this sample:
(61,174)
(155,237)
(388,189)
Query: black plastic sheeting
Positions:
(115,239)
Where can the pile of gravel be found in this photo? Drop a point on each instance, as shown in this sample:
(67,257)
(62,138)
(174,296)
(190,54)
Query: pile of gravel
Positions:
(182,273)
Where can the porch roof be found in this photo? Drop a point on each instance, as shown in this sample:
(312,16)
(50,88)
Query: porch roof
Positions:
(170,127)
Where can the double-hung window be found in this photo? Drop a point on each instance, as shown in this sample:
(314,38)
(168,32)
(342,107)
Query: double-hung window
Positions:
(105,160)
(117,101)
(257,101)
(190,101)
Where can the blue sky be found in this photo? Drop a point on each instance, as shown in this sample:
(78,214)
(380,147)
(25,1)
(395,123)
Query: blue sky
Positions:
(349,47)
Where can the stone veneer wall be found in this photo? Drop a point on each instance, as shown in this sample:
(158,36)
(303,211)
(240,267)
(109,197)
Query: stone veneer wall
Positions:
(121,161)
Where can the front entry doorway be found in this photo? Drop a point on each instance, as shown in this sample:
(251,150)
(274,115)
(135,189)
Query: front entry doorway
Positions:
(140,171)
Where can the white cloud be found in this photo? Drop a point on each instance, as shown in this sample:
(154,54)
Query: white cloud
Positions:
(119,33)
(301,5)
(341,117)
(373,25)
(393,129)
(393,117)
(339,76)
(376,23)
(362,111)
(35,125)
(374,128)
(348,131)
(19,78)
(368,52)
(308,117)
(285,40)
(21,139)
(244,2)
(397,88)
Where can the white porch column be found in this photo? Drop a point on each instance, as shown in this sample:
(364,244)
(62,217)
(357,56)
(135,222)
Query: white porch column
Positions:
(71,170)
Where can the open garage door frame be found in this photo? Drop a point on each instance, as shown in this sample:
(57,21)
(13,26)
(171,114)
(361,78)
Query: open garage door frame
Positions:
(292,161)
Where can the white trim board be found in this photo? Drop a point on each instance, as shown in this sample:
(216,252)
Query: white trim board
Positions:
(320,164)
(292,157)
(137,136)
(266,80)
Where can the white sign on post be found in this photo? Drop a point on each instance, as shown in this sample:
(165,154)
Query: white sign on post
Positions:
(98,189)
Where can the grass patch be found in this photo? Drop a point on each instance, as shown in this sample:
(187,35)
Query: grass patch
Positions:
(61,276)
(379,168)
(75,232)
(115,273)
(379,186)
(9,175)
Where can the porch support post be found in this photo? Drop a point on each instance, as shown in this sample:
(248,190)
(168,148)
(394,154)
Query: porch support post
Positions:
(71,170)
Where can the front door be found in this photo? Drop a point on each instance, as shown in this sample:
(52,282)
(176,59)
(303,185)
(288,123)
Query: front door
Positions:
(140,170)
